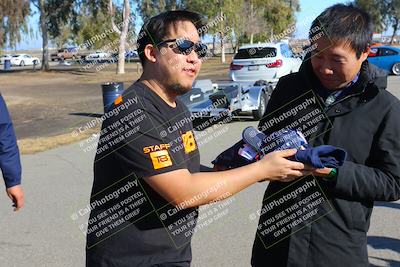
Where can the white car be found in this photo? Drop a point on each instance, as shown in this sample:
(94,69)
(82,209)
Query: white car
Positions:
(4,57)
(268,61)
(98,55)
(24,59)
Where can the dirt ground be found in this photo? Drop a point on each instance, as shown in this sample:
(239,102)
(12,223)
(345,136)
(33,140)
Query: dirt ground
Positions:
(47,106)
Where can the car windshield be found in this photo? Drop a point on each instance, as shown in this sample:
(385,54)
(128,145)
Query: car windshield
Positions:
(15,55)
(255,52)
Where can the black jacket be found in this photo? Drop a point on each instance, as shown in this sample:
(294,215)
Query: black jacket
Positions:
(365,123)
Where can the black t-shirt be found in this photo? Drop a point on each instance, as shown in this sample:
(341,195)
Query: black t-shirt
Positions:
(130,223)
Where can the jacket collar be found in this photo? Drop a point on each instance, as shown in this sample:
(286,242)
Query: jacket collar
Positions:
(369,82)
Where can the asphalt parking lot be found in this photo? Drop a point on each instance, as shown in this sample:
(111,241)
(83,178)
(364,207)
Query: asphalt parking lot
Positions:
(58,182)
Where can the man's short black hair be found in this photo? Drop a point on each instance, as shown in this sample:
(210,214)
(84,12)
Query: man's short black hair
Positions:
(345,23)
(157,28)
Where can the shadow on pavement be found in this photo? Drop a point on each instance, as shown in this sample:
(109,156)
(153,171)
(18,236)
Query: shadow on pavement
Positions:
(388,205)
(390,263)
(83,114)
(381,242)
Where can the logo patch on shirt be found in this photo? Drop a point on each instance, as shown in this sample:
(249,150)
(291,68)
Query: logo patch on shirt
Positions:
(160,159)
(188,142)
(118,100)
(159,155)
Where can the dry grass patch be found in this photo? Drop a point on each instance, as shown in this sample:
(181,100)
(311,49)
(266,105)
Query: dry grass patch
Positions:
(35,145)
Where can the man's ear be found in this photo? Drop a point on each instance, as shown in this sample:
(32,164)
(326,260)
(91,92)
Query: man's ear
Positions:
(366,52)
(150,53)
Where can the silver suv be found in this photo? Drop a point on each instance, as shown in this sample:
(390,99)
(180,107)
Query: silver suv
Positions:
(268,61)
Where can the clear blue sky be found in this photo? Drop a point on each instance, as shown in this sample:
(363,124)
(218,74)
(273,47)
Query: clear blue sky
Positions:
(309,10)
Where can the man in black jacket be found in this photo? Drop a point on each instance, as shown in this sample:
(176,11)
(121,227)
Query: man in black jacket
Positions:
(363,119)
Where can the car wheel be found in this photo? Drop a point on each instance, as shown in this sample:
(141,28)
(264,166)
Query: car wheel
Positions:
(262,107)
(22,63)
(396,69)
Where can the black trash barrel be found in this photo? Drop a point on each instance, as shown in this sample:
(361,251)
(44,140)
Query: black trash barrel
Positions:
(111,91)
(7,64)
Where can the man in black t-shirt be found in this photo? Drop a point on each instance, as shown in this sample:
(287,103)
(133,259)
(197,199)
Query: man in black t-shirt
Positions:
(147,185)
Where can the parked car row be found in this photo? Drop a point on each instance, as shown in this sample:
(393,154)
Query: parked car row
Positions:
(20,59)
(65,54)
(270,61)
(73,53)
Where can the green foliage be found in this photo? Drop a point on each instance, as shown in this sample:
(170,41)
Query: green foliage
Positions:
(95,32)
(256,19)
(13,21)
(385,14)
(375,10)
(91,28)
(150,8)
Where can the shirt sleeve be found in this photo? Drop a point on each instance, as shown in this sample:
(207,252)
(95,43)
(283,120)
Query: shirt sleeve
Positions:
(10,163)
(144,145)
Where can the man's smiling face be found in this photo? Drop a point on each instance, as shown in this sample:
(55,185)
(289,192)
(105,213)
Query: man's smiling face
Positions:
(336,63)
(177,70)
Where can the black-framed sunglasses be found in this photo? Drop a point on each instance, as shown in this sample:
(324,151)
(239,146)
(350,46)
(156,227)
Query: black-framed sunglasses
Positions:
(186,46)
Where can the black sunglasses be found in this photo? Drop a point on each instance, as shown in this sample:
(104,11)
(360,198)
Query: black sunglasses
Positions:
(186,46)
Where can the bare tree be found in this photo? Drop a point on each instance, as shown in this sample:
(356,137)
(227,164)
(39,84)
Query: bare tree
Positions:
(121,32)
(255,22)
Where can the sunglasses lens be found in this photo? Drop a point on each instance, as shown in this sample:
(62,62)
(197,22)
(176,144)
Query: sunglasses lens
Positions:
(201,50)
(185,46)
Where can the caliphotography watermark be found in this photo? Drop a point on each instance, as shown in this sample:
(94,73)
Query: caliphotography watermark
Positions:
(290,210)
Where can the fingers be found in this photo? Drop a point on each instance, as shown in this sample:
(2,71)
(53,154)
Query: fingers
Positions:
(294,174)
(16,194)
(296,165)
(286,153)
(18,202)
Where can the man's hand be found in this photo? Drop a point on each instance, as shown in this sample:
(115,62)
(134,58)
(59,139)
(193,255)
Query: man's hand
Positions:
(322,172)
(16,194)
(277,168)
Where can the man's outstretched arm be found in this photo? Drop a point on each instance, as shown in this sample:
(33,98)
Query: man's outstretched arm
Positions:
(10,163)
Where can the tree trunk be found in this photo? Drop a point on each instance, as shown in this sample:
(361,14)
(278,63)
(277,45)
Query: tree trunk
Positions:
(45,38)
(222,37)
(222,47)
(233,42)
(395,27)
(122,33)
(122,38)
(213,46)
